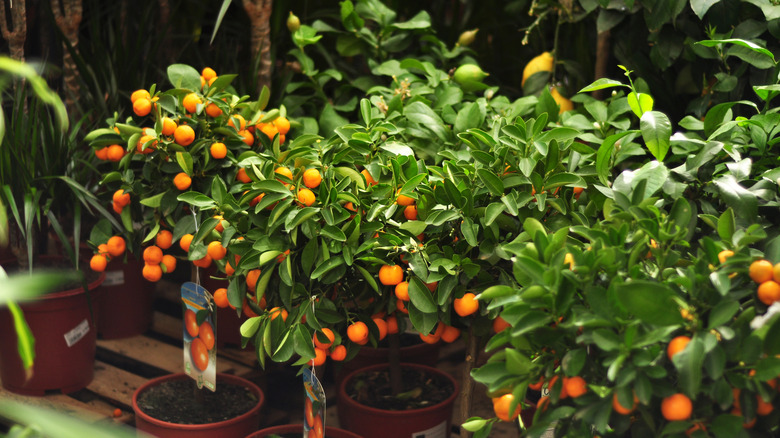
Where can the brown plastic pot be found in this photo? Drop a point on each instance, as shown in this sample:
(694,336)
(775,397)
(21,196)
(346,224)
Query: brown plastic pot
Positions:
(297,430)
(126,300)
(65,342)
(240,426)
(364,420)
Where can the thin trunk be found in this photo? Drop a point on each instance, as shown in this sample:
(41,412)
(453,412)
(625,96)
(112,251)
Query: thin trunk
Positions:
(68,14)
(394,357)
(602,61)
(466,382)
(166,53)
(259,12)
(17,33)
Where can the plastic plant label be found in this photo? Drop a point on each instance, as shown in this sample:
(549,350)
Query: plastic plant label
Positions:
(199,334)
(438,431)
(76,333)
(314,405)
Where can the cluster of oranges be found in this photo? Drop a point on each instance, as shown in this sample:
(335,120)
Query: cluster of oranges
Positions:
(120,200)
(767,276)
(155,260)
(114,247)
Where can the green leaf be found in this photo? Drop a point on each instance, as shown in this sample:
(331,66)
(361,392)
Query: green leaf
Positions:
(640,103)
(651,302)
(517,363)
(657,132)
(727,224)
(425,116)
(196,199)
(743,201)
(221,15)
(700,7)
(743,43)
(689,364)
(185,162)
(604,157)
(600,84)
(421,296)
(184,76)
(491,181)
(153,201)
(327,266)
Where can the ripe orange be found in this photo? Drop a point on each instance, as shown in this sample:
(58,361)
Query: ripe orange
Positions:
(620,409)
(221,298)
(246,137)
(121,198)
(369,179)
(242,176)
(185,241)
(191,102)
(319,358)
(251,279)
(551,384)
(182,181)
(282,125)
(115,153)
(140,94)
(306,197)
(213,110)
(763,407)
(723,255)
(285,171)
(410,212)
(500,324)
(392,325)
(676,407)
(218,150)
(102,153)
(403,200)
(538,385)
(204,262)
(312,178)
(241,122)
(219,227)
(466,305)
(677,345)
(117,209)
(769,292)
(168,126)
(103,249)
(450,334)
(142,107)
(761,271)
(169,262)
(391,275)
(278,311)
(184,135)
(339,353)
(116,246)
(152,273)
(575,386)
(328,334)
(402,291)
(199,354)
(381,326)
(501,407)
(149,148)
(164,239)
(432,338)
(401,307)
(357,332)
(98,263)
(577,192)
(270,131)
(216,251)
(208,73)
(153,255)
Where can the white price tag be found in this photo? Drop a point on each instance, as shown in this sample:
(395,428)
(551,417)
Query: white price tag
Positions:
(77,333)
(114,278)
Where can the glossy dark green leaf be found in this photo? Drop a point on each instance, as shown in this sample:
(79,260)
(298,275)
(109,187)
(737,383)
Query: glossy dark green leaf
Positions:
(421,296)
(657,132)
(651,302)
(492,182)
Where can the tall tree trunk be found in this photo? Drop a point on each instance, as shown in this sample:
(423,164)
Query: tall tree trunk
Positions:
(166,54)
(602,61)
(68,14)
(17,34)
(259,12)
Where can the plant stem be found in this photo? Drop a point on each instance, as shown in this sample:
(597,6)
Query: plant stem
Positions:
(602,60)
(394,357)
(466,382)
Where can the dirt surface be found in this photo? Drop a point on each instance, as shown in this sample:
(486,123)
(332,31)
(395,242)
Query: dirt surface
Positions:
(420,390)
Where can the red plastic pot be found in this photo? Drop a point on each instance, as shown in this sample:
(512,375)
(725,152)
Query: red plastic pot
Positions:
(239,426)
(297,430)
(65,343)
(126,300)
(422,353)
(434,420)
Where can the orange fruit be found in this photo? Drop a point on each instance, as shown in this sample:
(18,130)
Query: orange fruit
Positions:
(538,385)
(116,246)
(319,357)
(577,192)
(251,279)
(403,200)
(357,332)
(241,122)
(677,345)
(169,262)
(164,239)
(208,73)
(142,107)
(221,298)
(575,386)
(410,212)
(246,137)
(466,305)
(278,311)
(102,153)
(98,263)
(553,380)
(776,273)
(285,171)
(501,407)
(432,338)
(392,325)
(242,176)
(182,181)
(676,407)
(761,271)
(213,110)
(219,227)
(103,249)
(153,255)
(312,178)
(328,334)
(620,409)
(152,273)
(723,255)
(115,153)
(140,94)
(199,354)
(149,148)
(391,275)
(763,407)
(769,292)
(117,208)
(306,197)
(204,262)
(402,291)
(121,198)
(185,241)
(450,334)
(500,324)
(216,251)
(369,179)
(191,102)
(401,307)
(270,131)
(339,353)
(168,126)
(381,326)
(184,135)
(282,125)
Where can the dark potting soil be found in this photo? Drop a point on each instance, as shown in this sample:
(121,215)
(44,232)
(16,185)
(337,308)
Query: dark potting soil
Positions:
(176,401)
(420,390)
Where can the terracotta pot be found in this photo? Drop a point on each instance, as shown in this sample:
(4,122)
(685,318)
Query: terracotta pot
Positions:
(239,426)
(125,300)
(297,430)
(65,342)
(367,421)
(228,323)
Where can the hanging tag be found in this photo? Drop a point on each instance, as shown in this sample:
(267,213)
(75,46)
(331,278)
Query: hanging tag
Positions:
(314,405)
(199,334)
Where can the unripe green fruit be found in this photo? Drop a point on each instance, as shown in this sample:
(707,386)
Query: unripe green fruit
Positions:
(469,77)
(293,22)
(467,37)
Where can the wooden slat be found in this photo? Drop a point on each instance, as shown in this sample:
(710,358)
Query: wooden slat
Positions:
(115,384)
(59,402)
